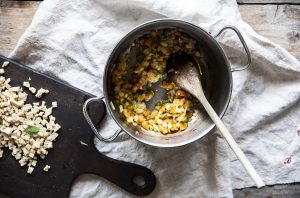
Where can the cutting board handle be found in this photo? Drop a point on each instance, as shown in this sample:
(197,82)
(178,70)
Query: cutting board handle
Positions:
(131,177)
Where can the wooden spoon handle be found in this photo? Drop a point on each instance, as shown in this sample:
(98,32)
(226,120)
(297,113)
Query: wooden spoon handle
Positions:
(232,143)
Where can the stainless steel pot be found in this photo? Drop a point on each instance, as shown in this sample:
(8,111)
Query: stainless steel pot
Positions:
(217,84)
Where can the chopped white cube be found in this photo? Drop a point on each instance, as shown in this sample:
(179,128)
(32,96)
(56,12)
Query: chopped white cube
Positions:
(40,92)
(54,104)
(5,64)
(46,168)
(26,84)
(30,170)
(32,89)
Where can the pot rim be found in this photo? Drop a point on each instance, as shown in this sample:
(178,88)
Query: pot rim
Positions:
(120,42)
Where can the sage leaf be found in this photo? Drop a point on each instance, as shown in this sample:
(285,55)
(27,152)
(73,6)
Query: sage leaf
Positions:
(32,129)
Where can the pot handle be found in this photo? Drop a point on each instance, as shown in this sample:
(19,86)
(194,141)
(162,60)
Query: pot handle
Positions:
(90,122)
(249,61)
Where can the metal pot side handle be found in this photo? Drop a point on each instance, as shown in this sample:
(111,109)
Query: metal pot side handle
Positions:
(249,61)
(90,122)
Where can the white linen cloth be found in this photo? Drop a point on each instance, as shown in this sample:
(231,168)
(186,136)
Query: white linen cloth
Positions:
(72,39)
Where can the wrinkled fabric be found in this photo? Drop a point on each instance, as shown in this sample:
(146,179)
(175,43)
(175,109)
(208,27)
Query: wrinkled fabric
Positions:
(72,39)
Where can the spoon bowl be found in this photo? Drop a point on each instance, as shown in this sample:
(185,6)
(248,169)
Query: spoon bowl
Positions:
(184,71)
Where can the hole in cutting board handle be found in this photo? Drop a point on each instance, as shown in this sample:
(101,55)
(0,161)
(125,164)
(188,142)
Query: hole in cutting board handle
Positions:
(139,181)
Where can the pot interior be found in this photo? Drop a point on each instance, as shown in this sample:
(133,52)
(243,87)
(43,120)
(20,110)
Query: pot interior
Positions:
(216,80)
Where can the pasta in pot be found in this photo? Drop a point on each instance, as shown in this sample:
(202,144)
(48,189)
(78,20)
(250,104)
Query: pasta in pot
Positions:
(168,116)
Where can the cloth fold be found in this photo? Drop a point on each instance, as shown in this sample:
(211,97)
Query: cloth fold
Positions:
(72,39)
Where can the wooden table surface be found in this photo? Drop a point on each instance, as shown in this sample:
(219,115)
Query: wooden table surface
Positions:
(277,20)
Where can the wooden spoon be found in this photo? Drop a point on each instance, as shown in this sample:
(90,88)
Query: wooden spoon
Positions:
(184,71)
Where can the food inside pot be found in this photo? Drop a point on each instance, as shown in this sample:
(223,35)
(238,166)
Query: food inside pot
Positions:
(131,92)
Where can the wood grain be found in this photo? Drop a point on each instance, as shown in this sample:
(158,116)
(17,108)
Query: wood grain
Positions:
(279,23)
(276,191)
(15,17)
(268,1)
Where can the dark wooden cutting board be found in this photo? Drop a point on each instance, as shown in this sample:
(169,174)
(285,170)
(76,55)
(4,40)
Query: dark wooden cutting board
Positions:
(69,158)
